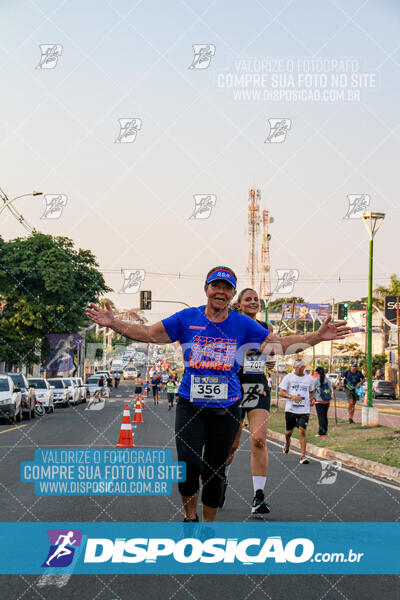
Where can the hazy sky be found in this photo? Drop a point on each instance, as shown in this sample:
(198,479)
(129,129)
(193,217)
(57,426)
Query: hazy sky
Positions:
(130,203)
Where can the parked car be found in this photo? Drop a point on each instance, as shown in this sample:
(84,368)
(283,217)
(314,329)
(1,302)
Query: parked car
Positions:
(74,393)
(81,387)
(334,377)
(27,393)
(130,373)
(105,374)
(92,386)
(383,388)
(60,390)
(44,392)
(10,399)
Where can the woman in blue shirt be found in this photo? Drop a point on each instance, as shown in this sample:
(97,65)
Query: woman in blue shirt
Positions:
(213,339)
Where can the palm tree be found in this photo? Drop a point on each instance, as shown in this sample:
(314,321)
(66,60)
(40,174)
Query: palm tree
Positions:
(103,301)
(381,291)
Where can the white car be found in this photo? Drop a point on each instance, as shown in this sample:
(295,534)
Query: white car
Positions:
(10,399)
(60,391)
(81,387)
(44,392)
(334,377)
(130,373)
(74,394)
(105,374)
(92,386)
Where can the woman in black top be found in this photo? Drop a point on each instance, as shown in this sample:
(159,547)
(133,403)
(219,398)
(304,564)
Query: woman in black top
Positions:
(256,400)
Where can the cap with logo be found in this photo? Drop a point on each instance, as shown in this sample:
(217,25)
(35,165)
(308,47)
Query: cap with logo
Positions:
(223,275)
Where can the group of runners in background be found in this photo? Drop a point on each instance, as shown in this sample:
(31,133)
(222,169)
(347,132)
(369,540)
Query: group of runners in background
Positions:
(225,353)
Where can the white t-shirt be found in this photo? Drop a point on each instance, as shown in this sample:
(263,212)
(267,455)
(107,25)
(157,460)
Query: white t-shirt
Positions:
(298,386)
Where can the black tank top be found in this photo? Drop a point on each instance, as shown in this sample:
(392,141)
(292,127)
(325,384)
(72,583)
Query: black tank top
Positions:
(252,371)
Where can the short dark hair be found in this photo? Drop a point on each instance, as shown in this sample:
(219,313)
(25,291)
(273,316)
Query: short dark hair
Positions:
(218,269)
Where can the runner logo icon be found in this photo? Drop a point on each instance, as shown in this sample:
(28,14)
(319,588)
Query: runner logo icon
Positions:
(63,543)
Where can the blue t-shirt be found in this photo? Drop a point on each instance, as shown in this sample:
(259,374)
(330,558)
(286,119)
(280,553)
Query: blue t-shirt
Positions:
(213,350)
(352,378)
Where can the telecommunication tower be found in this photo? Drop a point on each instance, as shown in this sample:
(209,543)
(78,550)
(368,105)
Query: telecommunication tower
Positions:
(254,232)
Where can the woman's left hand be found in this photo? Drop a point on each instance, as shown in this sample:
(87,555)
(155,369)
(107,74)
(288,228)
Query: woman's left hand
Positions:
(333,331)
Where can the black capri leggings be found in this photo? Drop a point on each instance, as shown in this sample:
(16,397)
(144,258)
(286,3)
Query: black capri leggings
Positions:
(204,438)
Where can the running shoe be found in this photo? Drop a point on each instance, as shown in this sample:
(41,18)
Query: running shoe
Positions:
(304,460)
(187,520)
(351,421)
(286,448)
(259,506)
(221,504)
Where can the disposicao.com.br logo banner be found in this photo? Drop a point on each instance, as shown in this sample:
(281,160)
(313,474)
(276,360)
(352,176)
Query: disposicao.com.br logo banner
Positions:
(221,548)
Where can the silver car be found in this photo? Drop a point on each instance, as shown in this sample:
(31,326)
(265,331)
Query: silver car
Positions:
(60,390)
(93,386)
(10,399)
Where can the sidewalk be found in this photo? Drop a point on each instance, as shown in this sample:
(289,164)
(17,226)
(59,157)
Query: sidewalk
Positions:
(389,417)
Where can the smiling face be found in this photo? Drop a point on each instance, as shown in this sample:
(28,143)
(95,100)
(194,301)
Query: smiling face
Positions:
(249,303)
(219,294)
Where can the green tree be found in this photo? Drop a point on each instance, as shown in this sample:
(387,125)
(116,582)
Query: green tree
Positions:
(392,290)
(46,285)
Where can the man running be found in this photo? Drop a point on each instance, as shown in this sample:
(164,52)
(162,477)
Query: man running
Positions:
(155,386)
(170,392)
(353,379)
(117,377)
(213,339)
(298,389)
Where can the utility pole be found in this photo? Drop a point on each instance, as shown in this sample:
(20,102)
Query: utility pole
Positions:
(398,342)
(331,345)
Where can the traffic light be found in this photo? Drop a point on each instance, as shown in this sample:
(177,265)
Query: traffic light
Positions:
(343,311)
(145,300)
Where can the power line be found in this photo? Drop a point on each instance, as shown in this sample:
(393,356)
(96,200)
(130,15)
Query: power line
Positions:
(311,280)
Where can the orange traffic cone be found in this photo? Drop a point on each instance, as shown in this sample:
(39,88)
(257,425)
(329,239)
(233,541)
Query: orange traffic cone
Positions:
(138,417)
(125,434)
(143,406)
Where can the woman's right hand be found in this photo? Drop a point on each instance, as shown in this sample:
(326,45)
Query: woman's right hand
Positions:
(101,316)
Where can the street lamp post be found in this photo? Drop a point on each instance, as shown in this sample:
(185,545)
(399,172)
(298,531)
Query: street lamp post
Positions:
(7,201)
(313,315)
(372,222)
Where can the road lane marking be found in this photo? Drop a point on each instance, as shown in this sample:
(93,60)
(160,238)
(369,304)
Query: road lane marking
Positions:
(12,428)
(355,473)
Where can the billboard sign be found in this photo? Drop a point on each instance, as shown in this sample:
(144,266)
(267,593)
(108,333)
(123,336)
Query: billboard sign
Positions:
(392,305)
(305,312)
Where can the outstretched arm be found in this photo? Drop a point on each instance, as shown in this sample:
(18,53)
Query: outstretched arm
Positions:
(155,334)
(273,344)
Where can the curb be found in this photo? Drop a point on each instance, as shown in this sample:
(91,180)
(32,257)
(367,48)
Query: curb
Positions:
(368,467)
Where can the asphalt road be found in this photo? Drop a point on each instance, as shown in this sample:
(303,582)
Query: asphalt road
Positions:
(292,491)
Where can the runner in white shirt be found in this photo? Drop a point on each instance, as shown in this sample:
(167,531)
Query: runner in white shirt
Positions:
(298,389)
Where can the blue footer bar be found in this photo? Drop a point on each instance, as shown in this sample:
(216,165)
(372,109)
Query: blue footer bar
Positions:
(220,548)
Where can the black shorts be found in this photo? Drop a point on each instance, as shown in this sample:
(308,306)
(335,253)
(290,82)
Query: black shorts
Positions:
(296,420)
(138,390)
(351,395)
(155,390)
(263,402)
